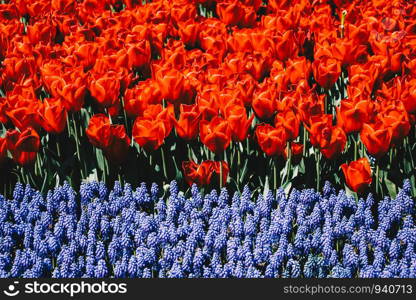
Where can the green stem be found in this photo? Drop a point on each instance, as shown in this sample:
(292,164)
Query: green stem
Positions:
(189,151)
(377,177)
(289,162)
(58,150)
(125,116)
(106,171)
(77,147)
(355,148)
(274,174)
(410,152)
(304,141)
(236,148)
(163,163)
(220,174)
(390,156)
(318,170)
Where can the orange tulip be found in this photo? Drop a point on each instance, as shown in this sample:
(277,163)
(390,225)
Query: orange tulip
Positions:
(326,71)
(352,115)
(105,89)
(236,116)
(331,140)
(188,124)
(23,145)
(290,122)
(376,138)
(296,152)
(112,139)
(53,116)
(174,86)
(264,104)
(149,134)
(271,140)
(202,174)
(215,134)
(396,118)
(357,174)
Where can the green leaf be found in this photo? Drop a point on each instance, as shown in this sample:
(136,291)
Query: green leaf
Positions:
(243,172)
(100,159)
(266,187)
(349,192)
(391,187)
(287,187)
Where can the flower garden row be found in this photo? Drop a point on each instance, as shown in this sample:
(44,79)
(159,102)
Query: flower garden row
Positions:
(153,232)
(246,92)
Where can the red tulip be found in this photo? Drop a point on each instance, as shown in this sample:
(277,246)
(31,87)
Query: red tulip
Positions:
(352,115)
(174,86)
(53,116)
(357,174)
(138,53)
(112,139)
(215,134)
(23,145)
(296,152)
(24,114)
(376,138)
(199,174)
(290,122)
(326,71)
(105,89)
(202,174)
(271,140)
(118,147)
(98,130)
(237,119)
(331,140)
(149,134)
(395,117)
(187,126)
(264,104)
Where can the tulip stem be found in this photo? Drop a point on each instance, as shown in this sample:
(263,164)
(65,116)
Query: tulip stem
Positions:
(274,174)
(377,179)
(77,147)
(38,169)
(248,146)
(390,156)
(105,169)
(126,123)
(189,151)
(408,148)
(355,148)
(304,141)
(163,163)
(318,171)
(220,174)
(289,162)
(58,150)
(238,163)
(221,158)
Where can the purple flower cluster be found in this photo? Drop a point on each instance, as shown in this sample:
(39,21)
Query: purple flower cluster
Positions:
(144,233)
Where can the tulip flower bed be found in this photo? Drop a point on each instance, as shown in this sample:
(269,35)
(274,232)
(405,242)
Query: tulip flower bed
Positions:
(156,233)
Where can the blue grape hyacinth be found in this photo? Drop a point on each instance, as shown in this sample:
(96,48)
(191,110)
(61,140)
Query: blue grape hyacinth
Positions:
(122,232)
